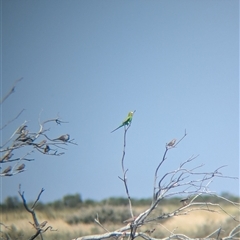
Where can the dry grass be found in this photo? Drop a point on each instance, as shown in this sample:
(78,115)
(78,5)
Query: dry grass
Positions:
(196,224)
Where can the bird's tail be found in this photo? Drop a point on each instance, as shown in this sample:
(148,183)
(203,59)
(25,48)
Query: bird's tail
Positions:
(116,128)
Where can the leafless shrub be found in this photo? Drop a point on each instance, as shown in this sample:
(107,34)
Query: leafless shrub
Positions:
(23,138)
(191,182)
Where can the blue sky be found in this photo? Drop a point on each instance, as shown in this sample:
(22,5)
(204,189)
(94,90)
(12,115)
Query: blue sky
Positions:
(175,62)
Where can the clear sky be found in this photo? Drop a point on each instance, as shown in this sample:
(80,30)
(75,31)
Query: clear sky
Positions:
(175,62)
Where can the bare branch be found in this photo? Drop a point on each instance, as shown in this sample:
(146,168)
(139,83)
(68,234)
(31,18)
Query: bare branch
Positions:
(170,145)
(12,120)
(39,227)
(4,225)
(98,222)
(11,90)
(124,179)
(22,138)
(218,231)
(34,204)
(235,231)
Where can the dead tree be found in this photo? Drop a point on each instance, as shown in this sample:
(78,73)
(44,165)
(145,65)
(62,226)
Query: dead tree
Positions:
(187,181)
(31,140)
(12,162)
(39,227)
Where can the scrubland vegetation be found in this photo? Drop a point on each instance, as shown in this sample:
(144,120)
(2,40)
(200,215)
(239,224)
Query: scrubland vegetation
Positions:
(72,217)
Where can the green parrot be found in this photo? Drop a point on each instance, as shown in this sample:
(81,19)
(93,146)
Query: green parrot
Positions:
(126,122)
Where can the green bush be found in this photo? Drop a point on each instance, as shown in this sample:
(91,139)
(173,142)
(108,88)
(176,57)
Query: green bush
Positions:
(72,200)
(106,214)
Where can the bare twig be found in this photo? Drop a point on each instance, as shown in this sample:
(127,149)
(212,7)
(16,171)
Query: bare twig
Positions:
(2,224)
(235,231)
(172,144)
(124,179)
(11,90)
(12,120)
(217,231)
(98,222)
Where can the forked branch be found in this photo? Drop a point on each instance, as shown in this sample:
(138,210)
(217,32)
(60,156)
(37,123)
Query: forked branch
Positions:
(40,227)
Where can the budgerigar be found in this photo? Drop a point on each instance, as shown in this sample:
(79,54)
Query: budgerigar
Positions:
(126,122)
